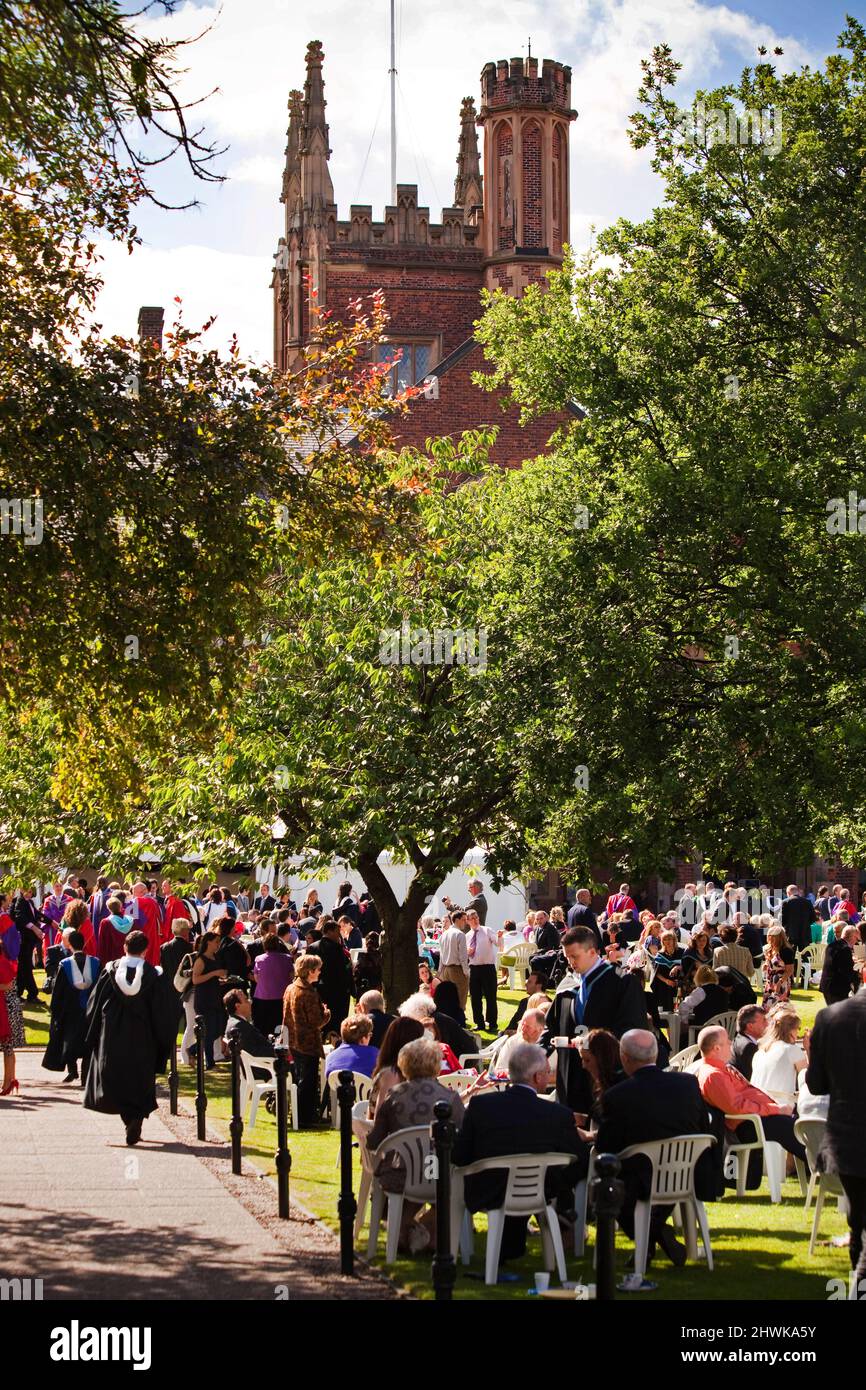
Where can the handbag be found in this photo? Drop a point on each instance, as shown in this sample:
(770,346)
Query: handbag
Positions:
(183,975)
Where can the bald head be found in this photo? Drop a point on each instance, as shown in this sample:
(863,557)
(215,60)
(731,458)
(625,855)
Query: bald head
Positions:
(714,1041)
(638,1048)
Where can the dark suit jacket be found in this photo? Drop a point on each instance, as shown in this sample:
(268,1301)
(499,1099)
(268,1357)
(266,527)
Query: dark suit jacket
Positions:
(743,1050)
(798,914)
(170,957)
(752,938)
(616,1002)
(836,1069)
(515,1121)
(381,1023)
(714,1002)
(581,916)
(547,937)
(838,973)
(652,1104)
(479,905)
(53,956)
(335,981)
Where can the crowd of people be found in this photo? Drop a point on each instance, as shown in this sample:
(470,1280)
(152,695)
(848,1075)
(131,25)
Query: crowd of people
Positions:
(581,1063)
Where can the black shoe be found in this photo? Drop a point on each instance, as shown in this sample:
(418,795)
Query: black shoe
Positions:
(675,1252)
(133,1131)
(73,1076)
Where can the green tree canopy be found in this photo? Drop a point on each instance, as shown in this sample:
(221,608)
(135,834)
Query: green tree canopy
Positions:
(718,348)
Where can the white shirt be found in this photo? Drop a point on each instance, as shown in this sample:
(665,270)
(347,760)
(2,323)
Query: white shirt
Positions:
(774,1068)
(691,1002)
(482,947)
(810,1107)
(453,949)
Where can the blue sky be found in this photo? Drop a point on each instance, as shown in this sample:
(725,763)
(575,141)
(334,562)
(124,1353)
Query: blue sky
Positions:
(217,257)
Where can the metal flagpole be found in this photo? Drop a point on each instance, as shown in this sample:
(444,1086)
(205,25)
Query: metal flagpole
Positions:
(392,72)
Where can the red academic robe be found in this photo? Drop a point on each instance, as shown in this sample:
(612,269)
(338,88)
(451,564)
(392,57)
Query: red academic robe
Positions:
(174,909)
(89,935)
(148,922)
(110,942)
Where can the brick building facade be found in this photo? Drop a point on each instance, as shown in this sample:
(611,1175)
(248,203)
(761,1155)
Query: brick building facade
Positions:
(505,230)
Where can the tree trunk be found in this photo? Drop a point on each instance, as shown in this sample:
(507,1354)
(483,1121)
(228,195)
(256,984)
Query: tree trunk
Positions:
(399,927)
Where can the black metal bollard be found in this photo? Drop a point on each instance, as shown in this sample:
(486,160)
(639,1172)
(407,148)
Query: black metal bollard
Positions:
(444,1264)
(283,1158)
(200,1093)
(608,1193)
(347,1206)
(173,1080)
(236,1127)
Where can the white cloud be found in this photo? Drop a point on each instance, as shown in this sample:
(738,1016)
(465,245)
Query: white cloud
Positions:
(233,286)
(254,53)
(259,169)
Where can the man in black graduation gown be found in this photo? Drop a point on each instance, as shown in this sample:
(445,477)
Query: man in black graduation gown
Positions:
(76,976)
(602,999)
(131,1024)
(836,1050)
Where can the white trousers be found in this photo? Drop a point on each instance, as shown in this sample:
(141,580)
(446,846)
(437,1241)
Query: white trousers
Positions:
(188,1038)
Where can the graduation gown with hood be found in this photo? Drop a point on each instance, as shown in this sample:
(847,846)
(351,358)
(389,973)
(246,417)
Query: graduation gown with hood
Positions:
(131,1023)
(73,983)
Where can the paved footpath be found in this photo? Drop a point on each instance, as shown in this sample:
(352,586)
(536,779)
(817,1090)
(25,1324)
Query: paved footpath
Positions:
(166,1219)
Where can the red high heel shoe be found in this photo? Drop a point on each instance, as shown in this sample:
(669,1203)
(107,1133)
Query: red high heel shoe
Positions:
(13,1086)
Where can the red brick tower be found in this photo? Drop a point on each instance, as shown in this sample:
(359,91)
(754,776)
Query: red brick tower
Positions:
(504,230)
(525,119)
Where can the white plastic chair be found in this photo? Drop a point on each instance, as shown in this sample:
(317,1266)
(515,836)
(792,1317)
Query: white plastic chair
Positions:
(456,1081)
(728,1021)
(361,1127)
(812,960)
(524,1196)
(413,1147)
(672,1184)
(810,1133)
(773,1156)
(363,1087)
(483,1054)
(681,1061)
(517,958)
(581,1206)
(253,1087)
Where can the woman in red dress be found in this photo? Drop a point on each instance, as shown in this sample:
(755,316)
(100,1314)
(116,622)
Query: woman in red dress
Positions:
(11,1019)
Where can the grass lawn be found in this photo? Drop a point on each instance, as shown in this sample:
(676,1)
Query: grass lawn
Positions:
(36,1017)
(760,1250)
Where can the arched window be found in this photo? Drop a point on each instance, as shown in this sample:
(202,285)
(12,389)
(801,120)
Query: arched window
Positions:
(506,220)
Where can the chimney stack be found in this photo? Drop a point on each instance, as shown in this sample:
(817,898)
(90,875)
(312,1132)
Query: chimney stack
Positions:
(150,324)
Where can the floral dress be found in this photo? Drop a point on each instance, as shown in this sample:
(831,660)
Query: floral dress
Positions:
(11,1014)
(777,981)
